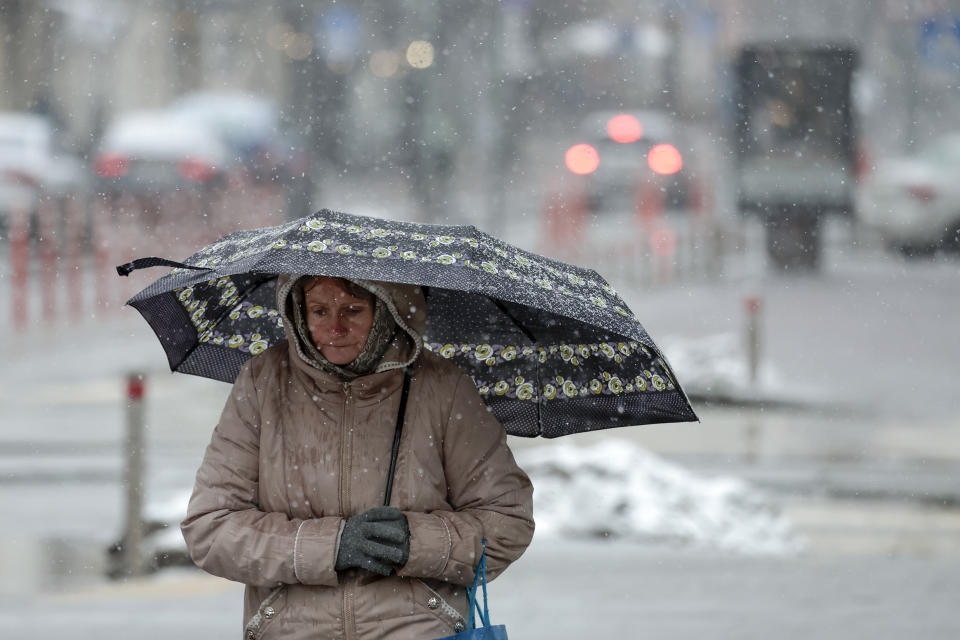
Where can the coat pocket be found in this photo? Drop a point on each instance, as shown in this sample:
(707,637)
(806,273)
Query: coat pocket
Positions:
(437,602)
(266,613)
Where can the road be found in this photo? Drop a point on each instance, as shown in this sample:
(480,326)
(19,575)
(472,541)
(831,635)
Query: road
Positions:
(575,589)
(857,438)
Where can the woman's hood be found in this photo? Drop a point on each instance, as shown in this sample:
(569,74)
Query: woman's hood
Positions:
(406,304)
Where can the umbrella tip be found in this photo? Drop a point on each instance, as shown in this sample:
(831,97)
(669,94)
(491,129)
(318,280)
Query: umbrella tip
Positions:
(125,269)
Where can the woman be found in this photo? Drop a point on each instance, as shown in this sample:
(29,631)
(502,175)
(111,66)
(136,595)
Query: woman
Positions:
(289,497)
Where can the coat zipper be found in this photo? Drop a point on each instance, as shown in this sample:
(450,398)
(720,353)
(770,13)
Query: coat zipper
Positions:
(346,456)
(346,449)
(349,620)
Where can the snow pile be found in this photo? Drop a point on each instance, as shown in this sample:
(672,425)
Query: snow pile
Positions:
(617,489)
(613,488)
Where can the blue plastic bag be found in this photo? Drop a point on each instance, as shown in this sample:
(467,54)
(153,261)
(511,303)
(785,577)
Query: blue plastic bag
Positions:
(473,631)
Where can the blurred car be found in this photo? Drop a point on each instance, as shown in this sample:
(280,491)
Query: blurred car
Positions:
(153,152)
(638,156)
(249,127)
(913,202)
(30,161)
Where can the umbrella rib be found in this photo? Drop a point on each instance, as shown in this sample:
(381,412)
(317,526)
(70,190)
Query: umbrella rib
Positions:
(516,323)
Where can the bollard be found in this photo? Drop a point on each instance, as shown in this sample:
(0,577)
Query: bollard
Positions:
(663,245)
(48,251)
(753,306)
(74,250)
(649,204)
(637,267)
(563,216)
(717,253)
(19,233)
(701,200)
(133,561)
(102,264)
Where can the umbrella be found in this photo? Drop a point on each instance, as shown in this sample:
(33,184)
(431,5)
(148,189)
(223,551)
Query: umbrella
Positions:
(552,347)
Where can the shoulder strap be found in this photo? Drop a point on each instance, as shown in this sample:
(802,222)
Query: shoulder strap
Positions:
(404,392)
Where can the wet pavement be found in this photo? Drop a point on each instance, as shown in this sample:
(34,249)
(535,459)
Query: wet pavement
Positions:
(858,441)
(576,589)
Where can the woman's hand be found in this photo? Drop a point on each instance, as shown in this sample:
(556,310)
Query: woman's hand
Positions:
(377,540)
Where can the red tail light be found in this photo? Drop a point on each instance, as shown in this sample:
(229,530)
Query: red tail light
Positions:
(582,159)
(624,128)
(196,170)
(111,165)
(665,159)
(922,192)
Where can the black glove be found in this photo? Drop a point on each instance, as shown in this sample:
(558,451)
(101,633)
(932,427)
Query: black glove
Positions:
(377,540)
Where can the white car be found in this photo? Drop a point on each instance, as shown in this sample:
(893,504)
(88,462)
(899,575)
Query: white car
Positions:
(30,162)
(153,152)
(249,126)
(242,120)
(913,202)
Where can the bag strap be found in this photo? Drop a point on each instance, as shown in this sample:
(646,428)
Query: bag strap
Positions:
(479,577)
(404,392)
(486,607)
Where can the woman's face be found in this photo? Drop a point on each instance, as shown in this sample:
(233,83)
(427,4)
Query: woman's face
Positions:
(338,322)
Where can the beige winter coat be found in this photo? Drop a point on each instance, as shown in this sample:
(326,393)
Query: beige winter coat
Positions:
(296,451)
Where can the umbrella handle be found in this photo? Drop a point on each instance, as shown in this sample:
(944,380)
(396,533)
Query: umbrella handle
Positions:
(143,263)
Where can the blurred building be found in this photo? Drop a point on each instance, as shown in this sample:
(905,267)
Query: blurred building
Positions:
(83,61)
(427,86)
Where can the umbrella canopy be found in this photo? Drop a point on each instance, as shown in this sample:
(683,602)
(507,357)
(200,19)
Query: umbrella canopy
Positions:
(552,347)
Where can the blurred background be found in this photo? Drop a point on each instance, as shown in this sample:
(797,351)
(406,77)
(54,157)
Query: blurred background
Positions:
(773,186)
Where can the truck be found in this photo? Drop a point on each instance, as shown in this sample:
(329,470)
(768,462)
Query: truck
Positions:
(795,143)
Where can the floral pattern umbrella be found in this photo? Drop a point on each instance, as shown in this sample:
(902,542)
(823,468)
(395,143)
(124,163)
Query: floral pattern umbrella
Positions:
(552,347)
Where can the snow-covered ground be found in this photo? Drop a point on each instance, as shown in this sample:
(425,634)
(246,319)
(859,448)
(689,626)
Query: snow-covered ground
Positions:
(616,489)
